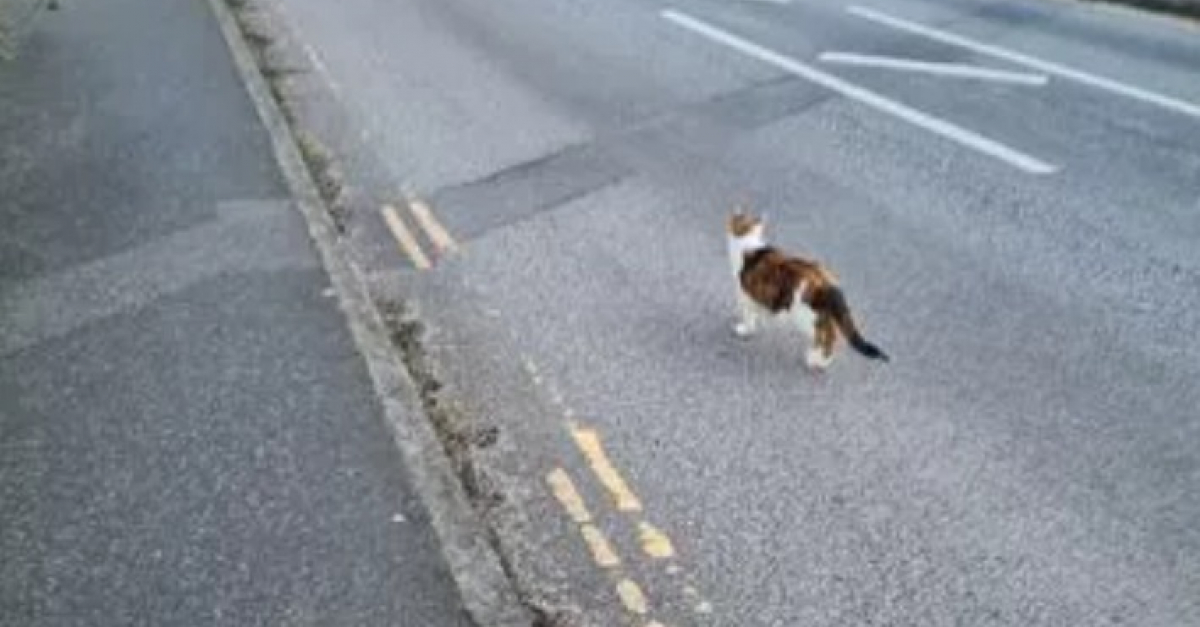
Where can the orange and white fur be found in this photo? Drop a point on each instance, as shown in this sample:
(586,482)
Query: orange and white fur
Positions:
(772,284)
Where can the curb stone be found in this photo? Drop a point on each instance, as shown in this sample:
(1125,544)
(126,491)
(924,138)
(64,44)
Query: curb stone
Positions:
(487,594)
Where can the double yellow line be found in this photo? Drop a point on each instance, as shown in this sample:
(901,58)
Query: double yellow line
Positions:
(654,543)
(443,243)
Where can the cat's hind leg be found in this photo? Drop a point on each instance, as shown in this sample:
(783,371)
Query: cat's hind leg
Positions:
(813,328)
(806,321)
(748,317)
(824,338)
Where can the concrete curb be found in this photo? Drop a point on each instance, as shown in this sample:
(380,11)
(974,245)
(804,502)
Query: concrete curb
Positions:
(486,592)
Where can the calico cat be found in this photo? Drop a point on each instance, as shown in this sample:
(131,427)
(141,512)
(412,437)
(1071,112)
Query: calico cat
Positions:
(771,283)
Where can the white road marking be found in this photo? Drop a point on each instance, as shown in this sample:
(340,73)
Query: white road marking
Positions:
(865,96)
(1099,82)
(953,70)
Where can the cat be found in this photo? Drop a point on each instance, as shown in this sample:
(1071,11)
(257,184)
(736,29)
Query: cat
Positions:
(771,283)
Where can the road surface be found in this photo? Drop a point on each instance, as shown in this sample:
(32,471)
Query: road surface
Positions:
(1009,192)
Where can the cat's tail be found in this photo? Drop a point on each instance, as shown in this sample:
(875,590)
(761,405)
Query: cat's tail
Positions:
(834,302)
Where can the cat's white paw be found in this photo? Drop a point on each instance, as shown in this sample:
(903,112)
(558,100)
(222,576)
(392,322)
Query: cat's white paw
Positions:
(743,330)
(816,361)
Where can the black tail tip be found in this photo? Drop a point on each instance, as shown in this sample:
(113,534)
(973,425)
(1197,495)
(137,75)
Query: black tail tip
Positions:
(871,351)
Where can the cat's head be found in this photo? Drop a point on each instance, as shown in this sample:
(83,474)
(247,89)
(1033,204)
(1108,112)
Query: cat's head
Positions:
(744,225)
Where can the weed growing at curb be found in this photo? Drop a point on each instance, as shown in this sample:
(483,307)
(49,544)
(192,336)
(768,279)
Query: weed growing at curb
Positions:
(456,434)
(459,439)
(320,163)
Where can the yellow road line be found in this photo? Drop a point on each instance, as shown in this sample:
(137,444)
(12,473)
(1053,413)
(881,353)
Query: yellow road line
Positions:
(632,597)
(433,228)
(589,443)
(404,237)
(654,542)
(568,496)
(602,551)
(564,490)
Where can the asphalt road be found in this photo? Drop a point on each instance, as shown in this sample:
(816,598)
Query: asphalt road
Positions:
(1025,249)
(188,435)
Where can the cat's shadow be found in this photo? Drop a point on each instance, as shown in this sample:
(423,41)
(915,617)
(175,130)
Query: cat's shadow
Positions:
(708,341)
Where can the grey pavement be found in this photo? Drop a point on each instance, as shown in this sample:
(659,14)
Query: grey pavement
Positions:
(187,433)
(1032,455)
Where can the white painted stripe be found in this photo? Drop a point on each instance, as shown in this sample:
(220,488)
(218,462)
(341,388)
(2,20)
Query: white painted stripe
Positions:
(935,125)
(1048,67)
(953,70)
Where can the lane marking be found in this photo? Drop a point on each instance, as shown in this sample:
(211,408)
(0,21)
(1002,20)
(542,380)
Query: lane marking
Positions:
(589,444)
(1087,78)
(654,542)
(601,548)
(568,496)
(953,70)
(405,239)
(632,597)
(602,551)
(865,96)
(433,228)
